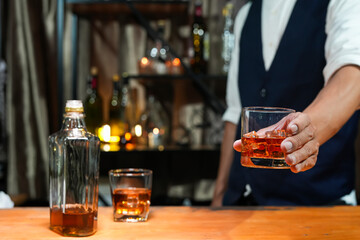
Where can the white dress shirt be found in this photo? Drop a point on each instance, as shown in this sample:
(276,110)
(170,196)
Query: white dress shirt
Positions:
(342,46)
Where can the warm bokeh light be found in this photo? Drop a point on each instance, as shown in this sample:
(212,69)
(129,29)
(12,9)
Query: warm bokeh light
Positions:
(114,139)
(130,146)
(127,136)
(144,61)
(109,147)
(156,131)
(104,133)
(176,62)
(138,130)
(106,147)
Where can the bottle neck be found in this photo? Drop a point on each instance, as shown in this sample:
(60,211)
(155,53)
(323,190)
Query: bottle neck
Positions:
(150,102)
(73,120)
(124,95)
(115,89)
(94,82)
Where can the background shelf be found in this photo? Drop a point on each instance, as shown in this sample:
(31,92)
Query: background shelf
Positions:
(171,167)
(113,9)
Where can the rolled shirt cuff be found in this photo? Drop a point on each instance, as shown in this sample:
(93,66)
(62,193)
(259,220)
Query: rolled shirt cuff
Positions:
(338,63)
(232,115)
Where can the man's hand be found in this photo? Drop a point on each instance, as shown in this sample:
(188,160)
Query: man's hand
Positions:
(301,147)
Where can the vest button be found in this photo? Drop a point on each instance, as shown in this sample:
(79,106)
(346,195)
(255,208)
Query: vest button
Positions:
(263,92)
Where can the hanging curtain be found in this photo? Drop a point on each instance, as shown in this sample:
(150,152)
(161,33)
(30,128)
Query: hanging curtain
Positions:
(30,94)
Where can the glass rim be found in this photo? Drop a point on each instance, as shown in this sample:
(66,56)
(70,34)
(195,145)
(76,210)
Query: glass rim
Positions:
(268,109)
(130,172)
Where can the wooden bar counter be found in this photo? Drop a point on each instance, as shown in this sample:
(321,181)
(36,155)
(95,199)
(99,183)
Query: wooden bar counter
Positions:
(200,223)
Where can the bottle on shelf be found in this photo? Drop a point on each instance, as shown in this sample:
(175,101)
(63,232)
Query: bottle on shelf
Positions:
(158,59)
(201,41)
(93,103)
(153,129)
(121,113)
(74,155)
(117,118)
(228,38)
(159,54)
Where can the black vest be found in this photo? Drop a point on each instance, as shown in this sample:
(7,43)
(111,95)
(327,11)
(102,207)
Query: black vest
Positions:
(293,81)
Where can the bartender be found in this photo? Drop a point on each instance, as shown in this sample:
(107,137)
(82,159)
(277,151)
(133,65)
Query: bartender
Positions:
(303,55)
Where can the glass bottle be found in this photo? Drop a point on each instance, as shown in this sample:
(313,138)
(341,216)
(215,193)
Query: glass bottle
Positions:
(117,119)
(121,112)
(129,109)
(74,155)
(228,38)
(93,104)
(154,124)
(200,39)
(159,53)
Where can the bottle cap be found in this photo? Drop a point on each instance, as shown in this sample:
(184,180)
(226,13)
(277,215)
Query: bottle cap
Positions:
(74,106)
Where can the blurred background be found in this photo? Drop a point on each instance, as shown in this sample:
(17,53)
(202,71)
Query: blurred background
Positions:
(151,75)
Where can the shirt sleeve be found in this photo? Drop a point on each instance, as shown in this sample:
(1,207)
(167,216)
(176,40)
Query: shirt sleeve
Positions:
(342,45)
(232,113)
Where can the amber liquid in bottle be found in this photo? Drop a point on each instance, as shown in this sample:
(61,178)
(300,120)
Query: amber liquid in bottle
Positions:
(74,222)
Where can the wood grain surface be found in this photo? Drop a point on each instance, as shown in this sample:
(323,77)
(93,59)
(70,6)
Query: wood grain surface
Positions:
(200,223)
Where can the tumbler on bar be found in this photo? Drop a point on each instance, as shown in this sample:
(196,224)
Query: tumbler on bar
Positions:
(131,194)
(261,136)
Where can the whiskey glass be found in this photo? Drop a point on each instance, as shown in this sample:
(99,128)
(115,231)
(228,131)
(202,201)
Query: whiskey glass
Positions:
(131,194)
(262,131)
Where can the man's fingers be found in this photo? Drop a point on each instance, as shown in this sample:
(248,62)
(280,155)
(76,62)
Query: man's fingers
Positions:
(298,124)
(309,149)
(292,123)
(295,142)
(304,165)
(237,145)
